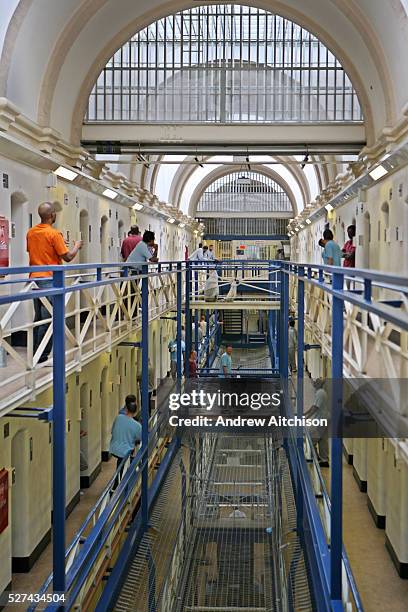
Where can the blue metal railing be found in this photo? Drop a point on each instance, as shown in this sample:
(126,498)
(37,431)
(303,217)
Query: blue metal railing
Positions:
(366,286)
(326,564)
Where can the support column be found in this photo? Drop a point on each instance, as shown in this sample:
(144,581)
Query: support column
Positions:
(178,335)
(284,322)
(336,488)
(300,390)
(145,397)
(58,439)
(188,340)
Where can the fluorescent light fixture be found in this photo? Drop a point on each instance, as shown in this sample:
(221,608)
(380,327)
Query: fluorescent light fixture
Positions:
(182,225)
(378,173)
(137,207)
(297,229)
(302,226)
(171,220)
(308,221)
(108,193)
(65,173)
(329,207)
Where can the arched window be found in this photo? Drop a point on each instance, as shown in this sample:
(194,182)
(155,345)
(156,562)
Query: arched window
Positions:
(241,192)
(225,64)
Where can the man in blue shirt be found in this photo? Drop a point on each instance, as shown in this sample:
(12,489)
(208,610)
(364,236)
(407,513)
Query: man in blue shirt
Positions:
(173,357)
(126,433)
(226,363)
(141,254)
(332,252)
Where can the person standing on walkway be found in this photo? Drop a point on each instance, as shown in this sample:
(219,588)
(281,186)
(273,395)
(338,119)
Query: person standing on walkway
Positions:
(129,243)
(192,365)
(332,252)
(320,434)
(226,363)
(349,250)
(141,254)
(199,254)
(126,434)
(210,255)
(292,345)
(46,247)
(173,357)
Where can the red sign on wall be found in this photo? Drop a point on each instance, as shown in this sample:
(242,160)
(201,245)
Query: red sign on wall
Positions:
(3,500)
(4,242)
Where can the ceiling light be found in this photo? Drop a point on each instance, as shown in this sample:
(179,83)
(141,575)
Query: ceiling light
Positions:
(108,193)
(65,173)
(171,220)
(302,226)
(378,173)
(329,207)
(296,229)
(308,221)
(182,225)
(137,207)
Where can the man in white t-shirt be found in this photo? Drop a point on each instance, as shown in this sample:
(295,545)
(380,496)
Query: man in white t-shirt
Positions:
(199,254)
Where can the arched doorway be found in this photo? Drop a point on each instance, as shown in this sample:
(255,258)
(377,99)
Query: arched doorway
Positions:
(20,518)
(105,414)
(84,229)
(366,240)
(83,433)
(104,238)
(18,229)
(121,236)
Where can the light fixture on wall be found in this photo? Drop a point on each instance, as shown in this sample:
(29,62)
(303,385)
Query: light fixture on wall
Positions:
(137,206)
(109,193)
(65,173)
(378,173)
(329,207)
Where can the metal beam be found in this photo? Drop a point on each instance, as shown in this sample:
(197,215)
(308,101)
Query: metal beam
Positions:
(128,139)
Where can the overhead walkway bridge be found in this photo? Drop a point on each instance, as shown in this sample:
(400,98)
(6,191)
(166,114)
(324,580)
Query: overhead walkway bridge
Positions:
(238,520)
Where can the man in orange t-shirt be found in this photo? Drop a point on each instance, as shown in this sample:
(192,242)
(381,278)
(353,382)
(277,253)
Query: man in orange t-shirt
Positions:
(46,247)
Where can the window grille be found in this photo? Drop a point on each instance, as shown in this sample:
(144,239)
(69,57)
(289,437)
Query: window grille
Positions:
(244,192)
(245,227)
(224,64)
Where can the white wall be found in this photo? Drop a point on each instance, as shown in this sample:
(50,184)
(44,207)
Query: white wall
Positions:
(385,251)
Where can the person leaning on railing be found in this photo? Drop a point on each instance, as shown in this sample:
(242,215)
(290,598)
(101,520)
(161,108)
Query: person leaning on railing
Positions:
(46,247)
(126,434)
(142,254)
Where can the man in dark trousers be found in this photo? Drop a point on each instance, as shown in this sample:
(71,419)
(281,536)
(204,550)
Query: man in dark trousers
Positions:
(46,247)
(126,433)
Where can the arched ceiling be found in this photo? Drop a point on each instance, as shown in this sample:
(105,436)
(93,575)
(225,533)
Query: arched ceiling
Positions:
(225,170)
(52,52)
(177,183)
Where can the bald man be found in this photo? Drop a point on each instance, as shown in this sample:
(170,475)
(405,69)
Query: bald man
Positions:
(46,247)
